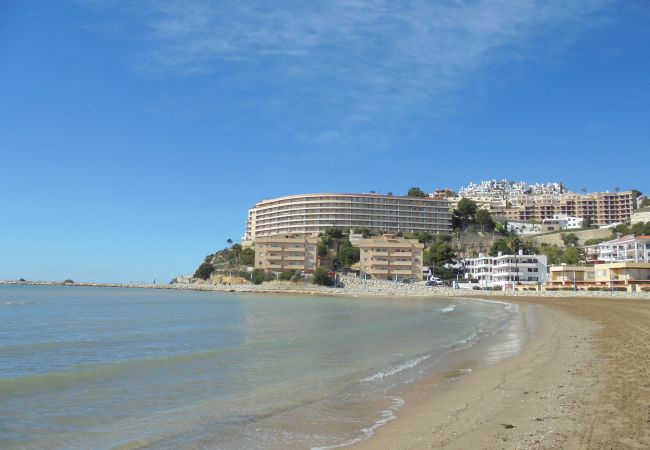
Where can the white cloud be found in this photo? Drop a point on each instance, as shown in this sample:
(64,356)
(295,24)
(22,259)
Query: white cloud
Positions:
(359,55)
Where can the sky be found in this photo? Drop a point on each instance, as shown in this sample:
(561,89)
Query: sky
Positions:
(134,136)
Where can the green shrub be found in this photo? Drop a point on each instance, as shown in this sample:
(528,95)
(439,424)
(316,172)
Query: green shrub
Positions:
(594,288)
(321,277)
(204,271)
(287,274)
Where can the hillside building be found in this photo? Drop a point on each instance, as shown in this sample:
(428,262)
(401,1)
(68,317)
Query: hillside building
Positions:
(310,214)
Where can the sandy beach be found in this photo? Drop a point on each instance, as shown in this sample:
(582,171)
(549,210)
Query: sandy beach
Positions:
(583,382)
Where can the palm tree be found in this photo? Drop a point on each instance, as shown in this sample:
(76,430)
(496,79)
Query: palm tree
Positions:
(229,242)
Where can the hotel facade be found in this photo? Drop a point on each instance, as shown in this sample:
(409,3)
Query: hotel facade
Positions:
(310,214)
(391,258)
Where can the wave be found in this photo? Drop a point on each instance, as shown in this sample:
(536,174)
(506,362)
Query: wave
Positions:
(396,369)
(386,416)
(447,309)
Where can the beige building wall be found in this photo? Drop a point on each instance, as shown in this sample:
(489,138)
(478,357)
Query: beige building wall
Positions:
(624,272)
(280,253)
(640,215)
(388,257)
(310,214)
(604,208)
(564,274)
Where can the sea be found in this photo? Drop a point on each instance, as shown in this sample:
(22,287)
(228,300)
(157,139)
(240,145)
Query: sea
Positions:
(105,368)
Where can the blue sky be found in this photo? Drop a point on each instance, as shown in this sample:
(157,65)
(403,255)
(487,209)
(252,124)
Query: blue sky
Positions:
(134,136)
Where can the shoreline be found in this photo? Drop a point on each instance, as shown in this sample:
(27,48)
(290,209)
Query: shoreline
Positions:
(527,400)
(353,287)
(582,383)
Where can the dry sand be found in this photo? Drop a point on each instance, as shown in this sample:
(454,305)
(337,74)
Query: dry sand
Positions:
(582,383)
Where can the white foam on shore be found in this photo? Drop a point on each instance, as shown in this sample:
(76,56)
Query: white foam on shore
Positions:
(396,369)
(387,415)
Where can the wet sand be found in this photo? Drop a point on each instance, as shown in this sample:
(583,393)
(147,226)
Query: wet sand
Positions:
(583,382)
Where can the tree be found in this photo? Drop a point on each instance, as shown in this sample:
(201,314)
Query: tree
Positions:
(322,249)
(439,253)
(572,255)
(248,256)
(484,218)
(465,213)
(322,277)
(204,271)
(229,242)
(364,232)
(586,223)
(645,202)
(348,254)
(334,232)
(569,239)
(416,192)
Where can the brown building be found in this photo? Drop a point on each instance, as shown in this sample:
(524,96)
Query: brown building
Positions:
(280,253)
(388,257)
(603,208)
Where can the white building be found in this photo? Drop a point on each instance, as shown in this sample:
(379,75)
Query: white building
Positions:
(564,221)
(624,249)
(523,228)
(520,269)
(479,269)
(507,270)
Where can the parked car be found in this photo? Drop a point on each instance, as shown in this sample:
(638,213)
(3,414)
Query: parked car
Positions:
(434,281)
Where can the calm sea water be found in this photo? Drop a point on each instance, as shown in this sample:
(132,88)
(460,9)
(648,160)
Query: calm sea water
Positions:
(133,368)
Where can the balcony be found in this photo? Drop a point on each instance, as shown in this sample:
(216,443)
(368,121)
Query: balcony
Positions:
(400,263)
(294,258)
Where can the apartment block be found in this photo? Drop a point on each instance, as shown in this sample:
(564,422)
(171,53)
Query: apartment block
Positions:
(507,270)
(603,208)
(391,258)
(520,269)
(310,214)
(623,249)
(479,269)
(284,252)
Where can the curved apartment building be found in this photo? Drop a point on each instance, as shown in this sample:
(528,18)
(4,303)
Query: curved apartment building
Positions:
(310,214)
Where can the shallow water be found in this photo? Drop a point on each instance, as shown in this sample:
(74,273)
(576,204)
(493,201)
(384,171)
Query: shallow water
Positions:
(106,367)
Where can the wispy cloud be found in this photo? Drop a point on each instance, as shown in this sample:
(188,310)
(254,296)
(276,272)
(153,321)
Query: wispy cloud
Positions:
(361,56)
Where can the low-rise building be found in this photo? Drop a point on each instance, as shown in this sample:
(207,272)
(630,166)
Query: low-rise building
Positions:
(280,253)
(391,258)
(520,269)
(633,276)
(562,222)
(479,270)
(507,271)
(564,275)
(623,249)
